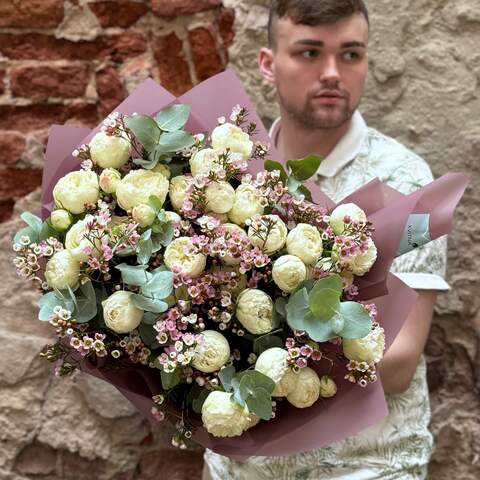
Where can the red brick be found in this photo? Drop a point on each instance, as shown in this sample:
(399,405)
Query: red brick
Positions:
(37,46)
(2,84)
(12,145)
(31,14)
(36,459)
(173,8)
(173,70)
(110,89)
(226,21)
(204,52)
(171,464)
(120,13)
(26,118)
(17,182)
(42,81)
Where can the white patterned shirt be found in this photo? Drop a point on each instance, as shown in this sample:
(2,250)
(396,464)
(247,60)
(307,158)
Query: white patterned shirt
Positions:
(400,446)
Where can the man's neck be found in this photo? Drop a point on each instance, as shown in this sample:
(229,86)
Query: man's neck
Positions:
(295,141)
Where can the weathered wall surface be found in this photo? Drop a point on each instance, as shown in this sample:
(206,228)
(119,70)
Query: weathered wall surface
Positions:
(423,90)
(72,61)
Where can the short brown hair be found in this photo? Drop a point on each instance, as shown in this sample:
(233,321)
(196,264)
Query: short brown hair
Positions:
(312,12)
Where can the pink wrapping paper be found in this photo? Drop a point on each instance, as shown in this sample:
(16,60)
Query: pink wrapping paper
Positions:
(353,408)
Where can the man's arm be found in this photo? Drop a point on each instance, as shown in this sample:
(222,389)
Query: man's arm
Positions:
(401,360)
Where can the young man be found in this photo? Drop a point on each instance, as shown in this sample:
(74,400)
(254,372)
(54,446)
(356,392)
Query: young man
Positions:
(318,62)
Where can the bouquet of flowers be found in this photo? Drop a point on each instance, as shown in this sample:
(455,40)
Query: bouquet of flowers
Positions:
(213,293)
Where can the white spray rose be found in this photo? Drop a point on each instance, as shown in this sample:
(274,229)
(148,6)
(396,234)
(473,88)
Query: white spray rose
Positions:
(109,180)
(76,240)
(61,220)
(62,270)
(328,388)
(246,204)
(307,389)
(143,214)
(223,418)
(179,254)
(289,272)
(109,151)
(203,161)
(76,189)
(255,311)
(273,234)
(304,241)
(232,137)
(138,185)
(120,313)
(163,169)
(360,263)
(347,209)
(178,190)
(220,197)
(273,364)
(367,349)
(213,353)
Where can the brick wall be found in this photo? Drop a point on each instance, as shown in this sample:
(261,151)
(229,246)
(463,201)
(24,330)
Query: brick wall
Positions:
(74,61)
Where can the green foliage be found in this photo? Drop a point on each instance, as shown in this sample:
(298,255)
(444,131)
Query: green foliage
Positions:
(271,165)
(198,402)
(134,275)
(170,380)
(357,321)
(149,304)
(175,141)
(145,247)
(325,296)
(173,118)
(226,376)
(160,285)
(148,335)
(265,342)
(305,168)
(33,229)
(145,130)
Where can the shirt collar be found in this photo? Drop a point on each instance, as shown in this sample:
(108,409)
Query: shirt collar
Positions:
(345,150)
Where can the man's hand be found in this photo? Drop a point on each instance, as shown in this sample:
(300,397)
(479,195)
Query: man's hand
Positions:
(401,360)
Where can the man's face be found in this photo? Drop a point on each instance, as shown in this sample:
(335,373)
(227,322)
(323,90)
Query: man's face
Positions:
(320,71)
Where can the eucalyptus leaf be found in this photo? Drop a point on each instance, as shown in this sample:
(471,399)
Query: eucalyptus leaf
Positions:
(357,322)
(175,141)
(303,190)
(159,286)
(260,403)
(297,308)
(324,297)
(145,130)
(47,303)
(265,342)
(150,318)
(148,335)
(163,238)
(198,402)
(281,306)
(26,232)
(155,203)
(32,221)
(293,185)
(48,231)
(134,275)
(173,118)
(317,329)
(170,380)
(226,375)
(144,250)
(305,168)
(149,304)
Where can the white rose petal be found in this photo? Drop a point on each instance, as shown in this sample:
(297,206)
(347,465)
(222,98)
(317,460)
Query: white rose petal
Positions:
(120,313)
(138,185)
(347,209)
(255,311)
(367,349)
(76,240)
(178,190)
(213,354)
(76,189)
(289,272)
(328,388)
(246,204)
(276,237)
(307,389)
(179,254)
(62,270)
(61,220)
(232,137)
(143,214)
(220,197)
(109,180)
(109,151)
(203,161)
(163,169)
(304,241)
(223,418)
(273,364)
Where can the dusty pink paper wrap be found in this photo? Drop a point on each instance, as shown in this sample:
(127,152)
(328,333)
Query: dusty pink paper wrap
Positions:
(353,408)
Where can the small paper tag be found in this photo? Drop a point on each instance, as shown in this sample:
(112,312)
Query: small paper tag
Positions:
(416,233)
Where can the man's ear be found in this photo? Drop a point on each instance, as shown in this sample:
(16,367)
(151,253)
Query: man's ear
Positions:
(267,64)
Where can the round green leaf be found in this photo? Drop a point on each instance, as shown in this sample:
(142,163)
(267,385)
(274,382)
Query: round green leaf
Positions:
(324,297)
(357,322)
